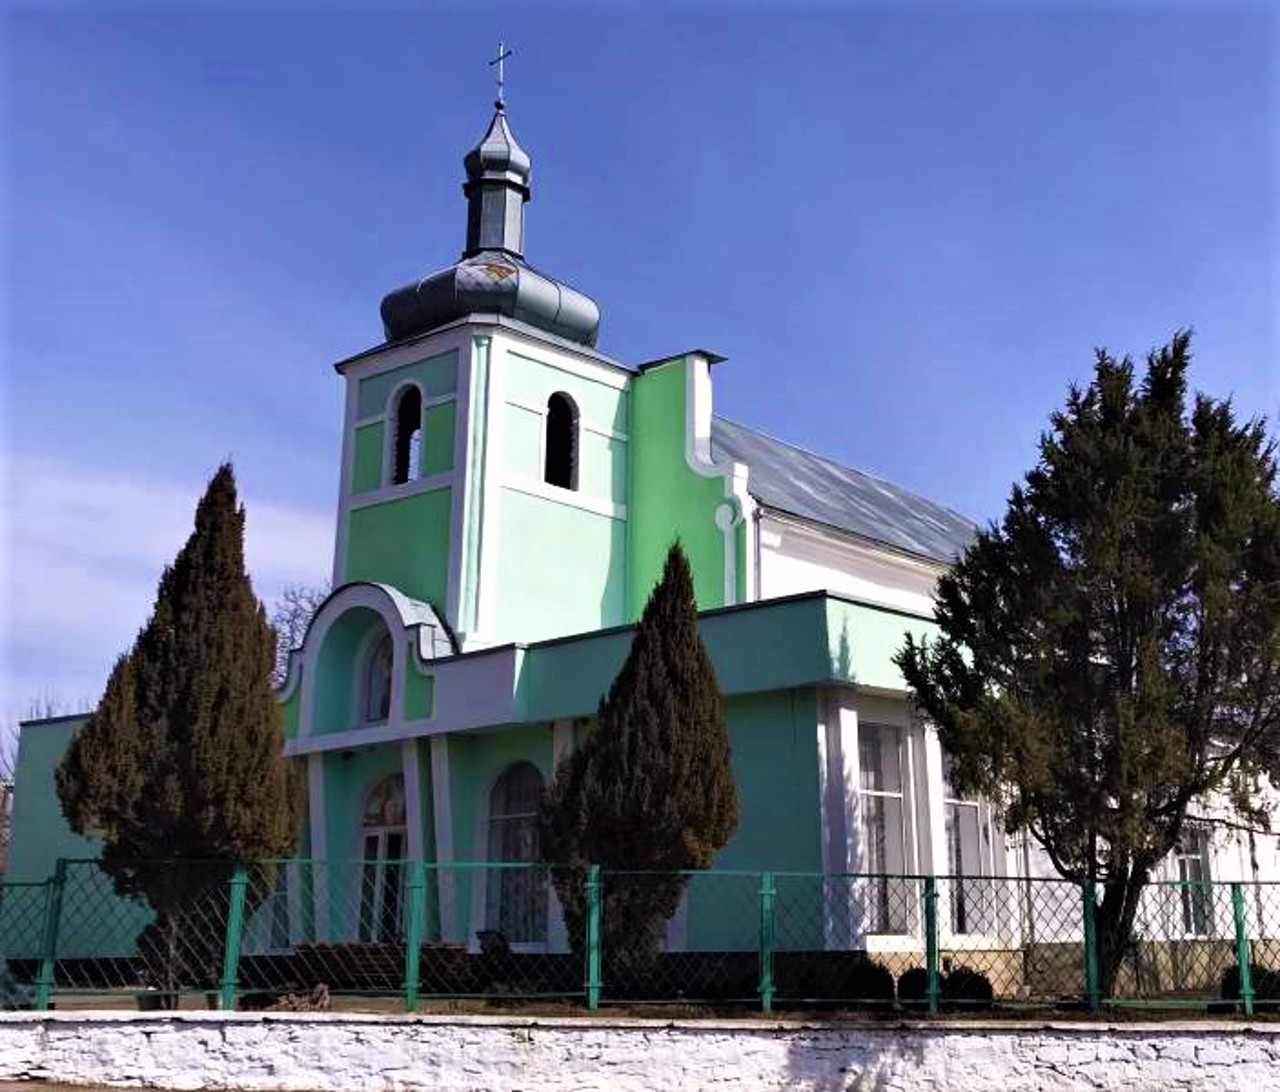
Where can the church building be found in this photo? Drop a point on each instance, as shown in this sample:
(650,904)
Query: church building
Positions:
(507,496)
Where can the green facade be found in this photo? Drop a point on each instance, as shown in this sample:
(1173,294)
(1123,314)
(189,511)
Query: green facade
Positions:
(503,559)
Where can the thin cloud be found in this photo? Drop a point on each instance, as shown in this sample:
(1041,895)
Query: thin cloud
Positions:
(85,550)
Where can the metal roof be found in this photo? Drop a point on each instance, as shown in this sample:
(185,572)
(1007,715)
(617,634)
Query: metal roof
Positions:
(790,479)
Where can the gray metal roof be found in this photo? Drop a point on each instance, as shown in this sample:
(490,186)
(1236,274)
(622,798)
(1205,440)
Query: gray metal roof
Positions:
(790,479)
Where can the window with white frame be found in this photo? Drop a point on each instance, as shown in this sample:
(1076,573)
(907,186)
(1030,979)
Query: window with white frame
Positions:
(560,465)
(1191,855)
(516,897)
(406,453)
(882,810)
(384,839)
(967,826)
(375,681)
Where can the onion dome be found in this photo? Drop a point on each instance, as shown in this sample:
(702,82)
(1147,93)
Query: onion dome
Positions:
(492,276)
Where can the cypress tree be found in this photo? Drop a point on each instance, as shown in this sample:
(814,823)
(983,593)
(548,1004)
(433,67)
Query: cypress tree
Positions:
(650,787)
(180,770)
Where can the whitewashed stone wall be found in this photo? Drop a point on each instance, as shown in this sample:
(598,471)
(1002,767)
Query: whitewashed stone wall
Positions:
(231,1050)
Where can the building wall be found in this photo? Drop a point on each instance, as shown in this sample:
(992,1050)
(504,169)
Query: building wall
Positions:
(796,556)
(557,557)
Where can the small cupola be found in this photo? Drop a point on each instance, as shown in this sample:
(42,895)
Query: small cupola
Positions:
(492,276)
(497,187)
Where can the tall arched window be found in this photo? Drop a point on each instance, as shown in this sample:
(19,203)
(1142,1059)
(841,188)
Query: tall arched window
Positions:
(406,456)
(383,839)
(375,682)
(561,464)
(516,898)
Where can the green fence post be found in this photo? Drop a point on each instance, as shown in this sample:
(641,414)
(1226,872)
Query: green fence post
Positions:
(235,931)
(593,937)
(54,888)
(1093,992)
(767,932)
(1242,949)
(933,990)
(413,933)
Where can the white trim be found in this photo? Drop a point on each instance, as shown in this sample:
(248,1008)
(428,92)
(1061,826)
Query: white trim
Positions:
(697,456)
(401,616)
(318,817)
(412,798)
(584,426)
(368,736)
(442,816)
(457,500)
(561,747)
(561,742)
(571,498)
(486,598)
(588,372)
(391,357)
(385,493)
(344,482)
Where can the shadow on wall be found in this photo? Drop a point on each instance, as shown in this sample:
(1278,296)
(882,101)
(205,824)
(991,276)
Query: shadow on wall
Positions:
(867,1058)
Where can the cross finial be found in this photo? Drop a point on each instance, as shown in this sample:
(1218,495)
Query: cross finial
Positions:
(503,54)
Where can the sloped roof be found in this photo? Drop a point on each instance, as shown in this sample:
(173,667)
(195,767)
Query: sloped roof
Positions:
(790,479)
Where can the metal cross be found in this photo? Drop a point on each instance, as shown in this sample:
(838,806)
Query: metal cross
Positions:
(503,54)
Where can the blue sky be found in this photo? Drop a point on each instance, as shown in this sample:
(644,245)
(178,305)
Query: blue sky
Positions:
(907,228)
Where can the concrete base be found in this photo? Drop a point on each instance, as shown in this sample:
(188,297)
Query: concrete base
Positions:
(343,1051)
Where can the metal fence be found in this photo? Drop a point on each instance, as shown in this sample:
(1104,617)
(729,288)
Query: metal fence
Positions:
(397,934)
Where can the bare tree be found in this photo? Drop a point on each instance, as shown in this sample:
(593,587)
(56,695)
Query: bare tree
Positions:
(8,762)
(291,613)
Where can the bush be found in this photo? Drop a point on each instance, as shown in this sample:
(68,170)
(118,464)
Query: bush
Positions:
(963,988)
(1266,986)
(869,983)
(913,988)
(967,988)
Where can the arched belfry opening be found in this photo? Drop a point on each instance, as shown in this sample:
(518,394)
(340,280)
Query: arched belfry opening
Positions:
(406,459)
(561,463)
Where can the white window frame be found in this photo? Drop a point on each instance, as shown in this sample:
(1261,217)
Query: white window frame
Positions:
(889,939)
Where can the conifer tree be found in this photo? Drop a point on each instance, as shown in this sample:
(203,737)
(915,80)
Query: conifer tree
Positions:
(650,787)
(1110,652)
(180,770)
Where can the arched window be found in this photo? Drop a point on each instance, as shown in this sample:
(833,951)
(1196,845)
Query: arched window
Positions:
(383,839)
(375,701)
(406,456)
(516,898)
(561,465)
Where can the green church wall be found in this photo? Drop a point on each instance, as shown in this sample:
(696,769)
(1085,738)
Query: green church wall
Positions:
(291,713)
(436,376)
(366,458)
(773,751)
(582,588)
(40,831)
(438,428)
(419,686)
(404,543)
(103,923)
(863,639)
(601,403)
(348,778)
(668,499)
(334,699)
(476,759)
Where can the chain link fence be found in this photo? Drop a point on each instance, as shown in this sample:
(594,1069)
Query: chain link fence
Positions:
(398,934)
